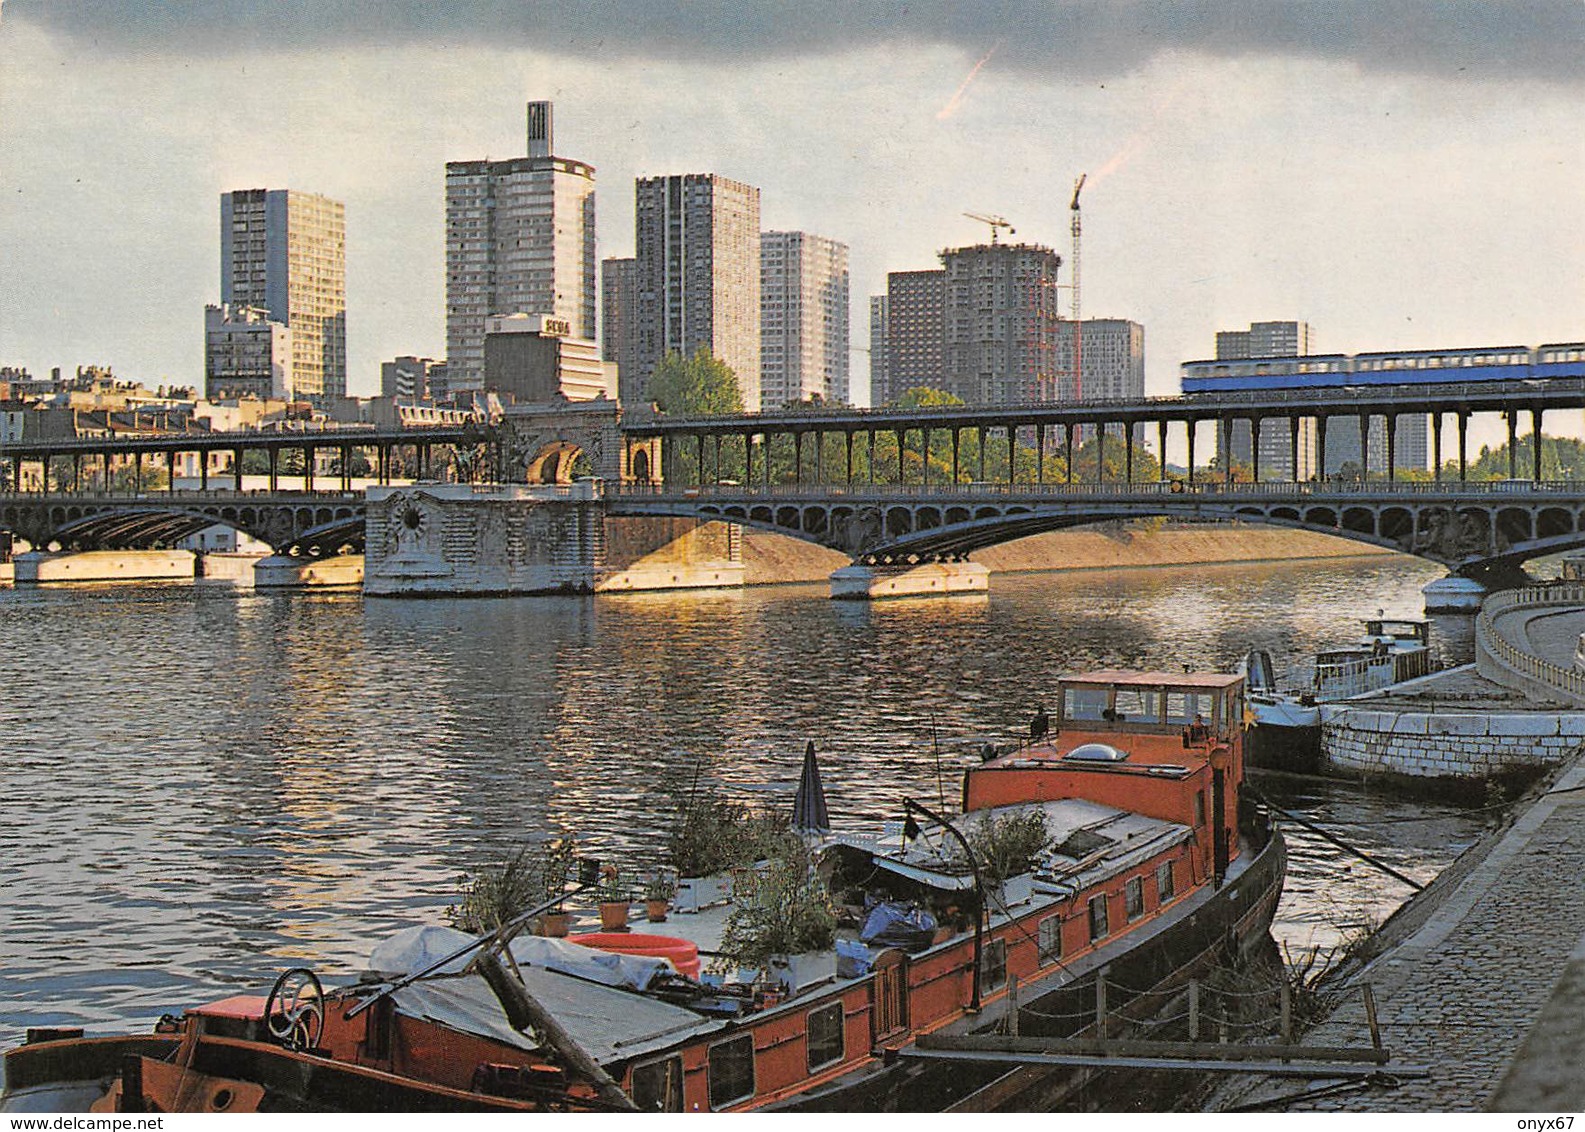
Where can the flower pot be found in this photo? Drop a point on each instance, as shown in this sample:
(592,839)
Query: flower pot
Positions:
(694,893)
(613,915)
(655,910)
(804,969)
(555,924)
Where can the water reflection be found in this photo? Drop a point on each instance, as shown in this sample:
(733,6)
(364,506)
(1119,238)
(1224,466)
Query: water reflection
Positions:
(207,784)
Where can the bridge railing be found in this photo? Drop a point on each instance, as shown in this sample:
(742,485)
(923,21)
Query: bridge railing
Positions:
(1502,660)
(1496,489)
(209,495)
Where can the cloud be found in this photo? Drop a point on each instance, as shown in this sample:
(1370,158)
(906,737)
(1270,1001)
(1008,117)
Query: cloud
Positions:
(1064,40)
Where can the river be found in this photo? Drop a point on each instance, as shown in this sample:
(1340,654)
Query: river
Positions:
(207,784)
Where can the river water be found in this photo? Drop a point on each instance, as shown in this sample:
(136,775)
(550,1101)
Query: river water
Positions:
(207,784)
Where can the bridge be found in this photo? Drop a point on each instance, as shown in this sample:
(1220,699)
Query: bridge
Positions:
(886,487)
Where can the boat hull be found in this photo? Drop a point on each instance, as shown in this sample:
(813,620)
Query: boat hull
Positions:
(1233,924)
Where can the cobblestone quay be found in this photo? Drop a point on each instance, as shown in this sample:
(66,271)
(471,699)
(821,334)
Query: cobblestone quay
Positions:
(1487,993)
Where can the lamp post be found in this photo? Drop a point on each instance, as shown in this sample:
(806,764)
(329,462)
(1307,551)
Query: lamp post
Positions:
(911,830)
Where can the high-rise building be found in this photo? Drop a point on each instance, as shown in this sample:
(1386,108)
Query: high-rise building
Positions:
(697,252)
(914,333)
(1265,340)
(999,335)
(1276,444)
(1111,360)
(803,318)
(410,379)
(878,347)
(285,252)
(618,309)
(519,240)
(246,354)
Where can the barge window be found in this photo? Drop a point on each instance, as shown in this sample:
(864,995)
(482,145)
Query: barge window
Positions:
(657,1087)
(732,1071)
(1140,705)
(1050,942)
(1182,707)
(1098,925)
(1086,703)
(993,965)
(1165,888)
(825,1036)
(1134,897)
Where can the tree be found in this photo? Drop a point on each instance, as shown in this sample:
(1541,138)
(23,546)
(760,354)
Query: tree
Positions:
(702,385)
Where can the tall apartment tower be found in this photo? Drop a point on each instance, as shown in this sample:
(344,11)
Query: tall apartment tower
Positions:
(1280,339)
(285,253)
(1112,360)
(914,333)
(1265,340)
(999,337)
(803,318)
(618,310)
(879,345)
(519,240)
(697,253)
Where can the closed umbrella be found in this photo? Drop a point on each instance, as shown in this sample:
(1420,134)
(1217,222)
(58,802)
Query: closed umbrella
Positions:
(809,804)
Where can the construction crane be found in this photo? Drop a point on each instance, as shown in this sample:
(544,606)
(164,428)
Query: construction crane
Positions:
(1078,325)
(997,223)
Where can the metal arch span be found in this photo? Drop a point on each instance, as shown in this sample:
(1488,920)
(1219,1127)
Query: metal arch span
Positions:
(285,521)
(1469,528)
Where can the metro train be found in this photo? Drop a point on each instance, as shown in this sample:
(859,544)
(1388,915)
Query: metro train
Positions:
(1407,367)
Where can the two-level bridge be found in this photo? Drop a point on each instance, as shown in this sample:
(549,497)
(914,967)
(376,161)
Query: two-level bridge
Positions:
(923,494)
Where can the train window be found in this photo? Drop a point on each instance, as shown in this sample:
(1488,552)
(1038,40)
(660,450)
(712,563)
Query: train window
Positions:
(731,1071)
(657,1087)
(825,1036)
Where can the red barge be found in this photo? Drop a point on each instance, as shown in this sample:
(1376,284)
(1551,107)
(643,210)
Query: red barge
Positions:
(1152,872)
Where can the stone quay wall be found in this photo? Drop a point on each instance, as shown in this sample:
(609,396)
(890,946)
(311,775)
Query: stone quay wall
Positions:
(1446,744)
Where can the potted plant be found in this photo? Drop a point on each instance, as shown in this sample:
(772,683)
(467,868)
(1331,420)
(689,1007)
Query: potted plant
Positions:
(658,891)
(502,891)
(615,899)
(711,835)
(1007,848)
(787,926)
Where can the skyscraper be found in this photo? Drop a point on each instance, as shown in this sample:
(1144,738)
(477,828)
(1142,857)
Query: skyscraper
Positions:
(914,326)
(285,252)
(519,240)
(879,345)
(803,318)
(1265,340)
(1111,358)
(697,252)
(618,310)
(1000,310)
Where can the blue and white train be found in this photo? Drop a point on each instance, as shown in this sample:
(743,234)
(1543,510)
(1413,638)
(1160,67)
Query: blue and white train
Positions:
(1408,367)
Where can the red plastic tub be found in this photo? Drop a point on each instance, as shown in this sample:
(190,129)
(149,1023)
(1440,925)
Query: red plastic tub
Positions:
(683,954)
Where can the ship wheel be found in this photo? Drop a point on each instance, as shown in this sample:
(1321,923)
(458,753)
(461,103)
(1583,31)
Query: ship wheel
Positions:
(294,1013)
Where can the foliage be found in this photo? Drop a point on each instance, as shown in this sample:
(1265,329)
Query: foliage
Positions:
(502,891)
(710,833)
(702,385)
(1009,845)
(613,890)
(788,912)
(661,884)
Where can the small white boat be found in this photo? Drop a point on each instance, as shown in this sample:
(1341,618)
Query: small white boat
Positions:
(1286,715)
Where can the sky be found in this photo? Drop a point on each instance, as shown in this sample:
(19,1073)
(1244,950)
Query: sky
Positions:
(1399,173)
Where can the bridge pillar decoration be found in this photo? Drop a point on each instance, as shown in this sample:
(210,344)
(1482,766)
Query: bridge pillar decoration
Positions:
(540,442)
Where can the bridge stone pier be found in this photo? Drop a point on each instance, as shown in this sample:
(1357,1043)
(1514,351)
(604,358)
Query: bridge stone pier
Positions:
(457,539)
